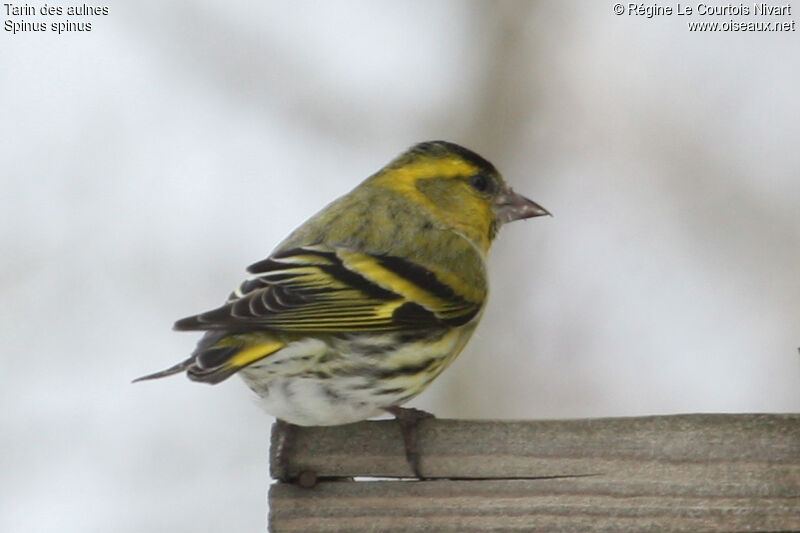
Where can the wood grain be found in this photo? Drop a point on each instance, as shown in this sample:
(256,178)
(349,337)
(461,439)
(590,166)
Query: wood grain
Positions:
(661,473)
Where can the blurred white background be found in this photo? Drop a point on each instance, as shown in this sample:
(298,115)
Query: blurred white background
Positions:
(146,163)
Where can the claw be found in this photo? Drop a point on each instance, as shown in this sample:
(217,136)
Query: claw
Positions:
(285,436)
(409,418)
(285,440)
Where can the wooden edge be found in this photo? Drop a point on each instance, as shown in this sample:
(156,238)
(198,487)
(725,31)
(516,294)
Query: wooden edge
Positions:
(630,447)
(524,505)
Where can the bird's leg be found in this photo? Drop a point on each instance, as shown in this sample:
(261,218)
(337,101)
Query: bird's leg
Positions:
(409,418)
(286,433)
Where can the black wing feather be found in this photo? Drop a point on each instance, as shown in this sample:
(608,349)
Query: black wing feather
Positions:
(319,289)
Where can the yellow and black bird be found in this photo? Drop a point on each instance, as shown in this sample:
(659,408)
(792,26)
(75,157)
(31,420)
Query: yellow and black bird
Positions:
(359,309)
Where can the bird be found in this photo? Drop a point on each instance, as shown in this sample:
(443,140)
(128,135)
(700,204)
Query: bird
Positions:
(361,307)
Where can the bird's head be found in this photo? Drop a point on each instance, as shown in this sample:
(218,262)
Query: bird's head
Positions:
(460,188)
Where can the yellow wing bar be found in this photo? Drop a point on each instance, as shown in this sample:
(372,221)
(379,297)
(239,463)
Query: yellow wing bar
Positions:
(335,290)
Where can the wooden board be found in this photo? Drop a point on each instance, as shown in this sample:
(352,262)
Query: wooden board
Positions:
(661,473)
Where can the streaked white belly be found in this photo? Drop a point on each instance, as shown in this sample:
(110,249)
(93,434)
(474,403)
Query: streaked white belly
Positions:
(317,383)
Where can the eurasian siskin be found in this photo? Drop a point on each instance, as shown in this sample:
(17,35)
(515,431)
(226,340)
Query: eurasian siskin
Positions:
(365,304)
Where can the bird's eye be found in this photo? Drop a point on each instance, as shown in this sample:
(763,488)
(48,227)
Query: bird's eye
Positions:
(479,182)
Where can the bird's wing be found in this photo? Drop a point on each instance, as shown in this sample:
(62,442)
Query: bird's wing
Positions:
(325,289)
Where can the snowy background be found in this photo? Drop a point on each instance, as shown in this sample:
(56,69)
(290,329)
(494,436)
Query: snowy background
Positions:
(146,163)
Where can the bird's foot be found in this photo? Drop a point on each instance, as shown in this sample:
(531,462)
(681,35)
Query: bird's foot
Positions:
(409,418)
(286,433)
(284,438)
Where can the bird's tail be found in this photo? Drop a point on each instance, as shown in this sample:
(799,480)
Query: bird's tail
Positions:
(212,363)
(180,367)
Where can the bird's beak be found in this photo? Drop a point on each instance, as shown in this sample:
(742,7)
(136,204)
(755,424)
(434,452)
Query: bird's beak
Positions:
(510,206)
